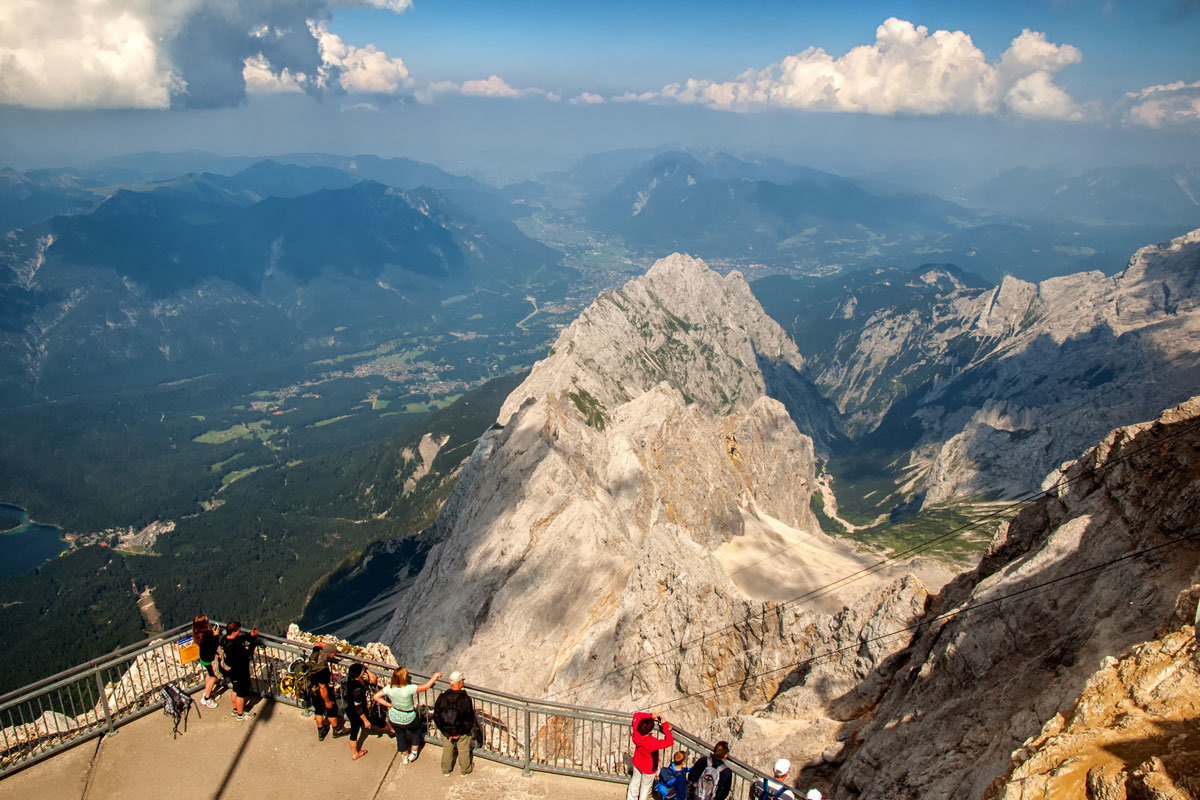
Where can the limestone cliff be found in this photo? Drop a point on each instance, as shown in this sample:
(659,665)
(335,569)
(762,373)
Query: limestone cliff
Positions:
(624,533)
(1080,576)
(1005,384)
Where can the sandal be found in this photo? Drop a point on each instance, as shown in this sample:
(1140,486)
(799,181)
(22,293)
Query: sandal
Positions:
(358,755)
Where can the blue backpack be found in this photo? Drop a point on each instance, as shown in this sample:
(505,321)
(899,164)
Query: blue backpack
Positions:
(664,784)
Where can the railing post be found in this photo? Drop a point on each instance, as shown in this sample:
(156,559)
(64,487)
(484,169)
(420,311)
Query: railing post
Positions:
(112,729)
(528,770)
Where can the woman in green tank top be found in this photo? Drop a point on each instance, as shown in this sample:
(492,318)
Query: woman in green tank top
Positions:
(403,720)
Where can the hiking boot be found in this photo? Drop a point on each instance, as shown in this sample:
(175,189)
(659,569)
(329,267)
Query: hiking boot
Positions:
(322,733)
(340,732)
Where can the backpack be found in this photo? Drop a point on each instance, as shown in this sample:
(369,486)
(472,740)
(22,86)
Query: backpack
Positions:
(176,704)
(706,786)
(303,683)
(767,793)
(664,784)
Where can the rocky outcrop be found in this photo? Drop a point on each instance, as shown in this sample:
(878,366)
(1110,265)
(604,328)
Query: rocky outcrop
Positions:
(1080,576)
(1131,733)
(622,537)
(1006,384)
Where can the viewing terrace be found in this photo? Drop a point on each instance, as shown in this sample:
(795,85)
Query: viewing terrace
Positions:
(98,731)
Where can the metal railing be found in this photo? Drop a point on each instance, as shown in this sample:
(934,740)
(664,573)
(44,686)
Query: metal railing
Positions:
(96,698)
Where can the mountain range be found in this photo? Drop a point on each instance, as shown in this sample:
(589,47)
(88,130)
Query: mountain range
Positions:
(1118,195)
(969,389)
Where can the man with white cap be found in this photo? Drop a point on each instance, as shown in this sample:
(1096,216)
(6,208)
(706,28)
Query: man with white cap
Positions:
(777,789)
(454,715)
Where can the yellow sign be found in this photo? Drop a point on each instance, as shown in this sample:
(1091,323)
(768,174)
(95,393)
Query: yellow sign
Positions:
(189,650)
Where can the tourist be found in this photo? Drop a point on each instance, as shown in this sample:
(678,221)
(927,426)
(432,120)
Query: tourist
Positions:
(324,700)
(204,633)
(672,781)
(358,678)
(454,715)
(777,789)
(710,778)
(406,724)
(237,651)
(645,752)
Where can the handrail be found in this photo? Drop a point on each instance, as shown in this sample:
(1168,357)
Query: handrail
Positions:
(97,697)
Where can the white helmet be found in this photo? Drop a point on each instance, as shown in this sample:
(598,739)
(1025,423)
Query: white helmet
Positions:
(813,794)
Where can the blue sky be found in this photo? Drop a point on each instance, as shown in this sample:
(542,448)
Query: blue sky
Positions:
(630,45)
(476,83)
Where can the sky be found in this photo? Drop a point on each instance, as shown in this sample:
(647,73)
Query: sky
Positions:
(505,89)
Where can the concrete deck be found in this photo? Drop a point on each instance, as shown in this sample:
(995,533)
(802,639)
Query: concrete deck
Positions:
(276,755)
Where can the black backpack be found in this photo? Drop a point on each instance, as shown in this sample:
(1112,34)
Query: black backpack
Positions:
(176,704)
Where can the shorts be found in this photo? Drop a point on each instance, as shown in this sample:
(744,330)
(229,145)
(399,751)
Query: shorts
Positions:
(330,711)
(208,665)
(241,685)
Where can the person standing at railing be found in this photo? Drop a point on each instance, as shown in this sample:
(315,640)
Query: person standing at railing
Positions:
(777,789)
(237,651)
(324,700)
(357,682)
(454,715)
(403,718)
(205,635)
(710,778)
(645,752)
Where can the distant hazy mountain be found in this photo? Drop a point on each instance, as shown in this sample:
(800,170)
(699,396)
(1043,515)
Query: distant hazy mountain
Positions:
(1128,195)
(25,200)
(721,206)
(403,173)
(183,234)
(161,279)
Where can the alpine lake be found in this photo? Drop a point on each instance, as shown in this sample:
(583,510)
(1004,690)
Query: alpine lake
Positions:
(24,544)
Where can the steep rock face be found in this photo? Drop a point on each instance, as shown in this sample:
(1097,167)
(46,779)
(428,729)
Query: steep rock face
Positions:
(683,324)
(600,546)
(1081,575)
(1007,383)
(1130,734)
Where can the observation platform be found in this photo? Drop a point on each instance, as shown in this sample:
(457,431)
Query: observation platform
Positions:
(275,755)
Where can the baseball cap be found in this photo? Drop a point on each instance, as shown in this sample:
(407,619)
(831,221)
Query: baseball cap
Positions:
(783,766)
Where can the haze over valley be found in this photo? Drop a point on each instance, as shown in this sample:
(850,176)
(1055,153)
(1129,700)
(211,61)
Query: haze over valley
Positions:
(720,359)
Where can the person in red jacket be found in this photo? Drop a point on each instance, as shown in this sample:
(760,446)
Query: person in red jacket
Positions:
(645,753)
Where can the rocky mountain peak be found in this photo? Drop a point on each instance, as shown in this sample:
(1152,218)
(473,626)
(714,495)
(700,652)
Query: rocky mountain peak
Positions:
(636,496)
(684,325)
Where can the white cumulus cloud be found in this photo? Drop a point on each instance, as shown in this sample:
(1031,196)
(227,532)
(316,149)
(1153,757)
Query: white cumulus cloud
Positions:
(492,86)
(907,69)
(360,69)
(587,99)
(1164,104)
(495,86)
(59,54)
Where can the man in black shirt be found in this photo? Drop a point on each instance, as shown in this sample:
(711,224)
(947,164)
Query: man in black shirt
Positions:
(454,715)
(324,699)
(237,650)
(710,776)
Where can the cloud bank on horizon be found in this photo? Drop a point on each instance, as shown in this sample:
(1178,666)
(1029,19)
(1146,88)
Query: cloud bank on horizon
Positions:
(158,54)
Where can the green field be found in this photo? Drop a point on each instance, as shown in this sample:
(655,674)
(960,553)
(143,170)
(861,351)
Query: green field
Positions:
(238,474)
(382,349)
(260,430)
(379,405)
(324,422)
(425,408)
(220,465)
(967,526)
